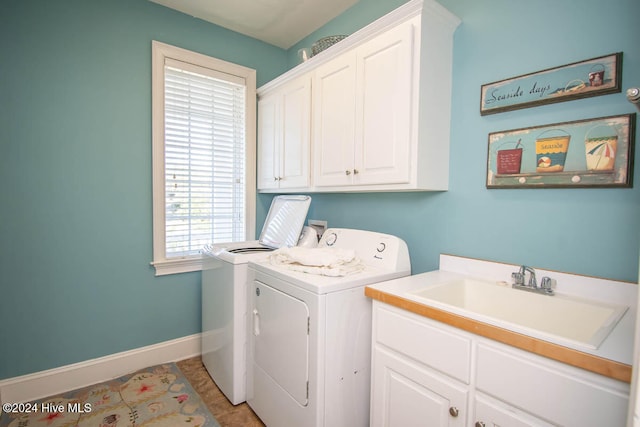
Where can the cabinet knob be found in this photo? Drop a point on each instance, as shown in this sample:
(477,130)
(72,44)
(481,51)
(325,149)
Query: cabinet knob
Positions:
(348,172)
(453,411)
(355,171)
(277,178)
(479,424)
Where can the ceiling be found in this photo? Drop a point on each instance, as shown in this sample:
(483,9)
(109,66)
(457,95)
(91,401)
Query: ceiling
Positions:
(282,23)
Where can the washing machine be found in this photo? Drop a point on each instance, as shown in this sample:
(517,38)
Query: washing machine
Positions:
(309,355)
(224,293)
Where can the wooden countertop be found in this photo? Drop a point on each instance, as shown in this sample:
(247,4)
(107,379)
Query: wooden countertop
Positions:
(589,362)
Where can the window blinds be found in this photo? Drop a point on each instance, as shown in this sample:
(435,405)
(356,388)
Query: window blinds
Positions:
(204,158)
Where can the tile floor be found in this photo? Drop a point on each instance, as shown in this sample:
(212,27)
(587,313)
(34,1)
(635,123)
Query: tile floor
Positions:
(227,415)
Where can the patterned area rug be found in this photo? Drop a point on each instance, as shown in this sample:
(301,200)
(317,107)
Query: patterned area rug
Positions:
(158,396)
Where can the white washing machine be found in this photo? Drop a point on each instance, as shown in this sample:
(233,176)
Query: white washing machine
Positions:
(224,293)
(309,356)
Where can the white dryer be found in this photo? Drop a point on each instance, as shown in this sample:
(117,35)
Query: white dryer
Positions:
(309,358)
(224,293)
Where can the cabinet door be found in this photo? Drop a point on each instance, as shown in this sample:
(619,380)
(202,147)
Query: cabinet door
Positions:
(268,142)
(407,394)
(294,152)
(333,121)
(283,136)
(490,413)
(560,393)
(384,107)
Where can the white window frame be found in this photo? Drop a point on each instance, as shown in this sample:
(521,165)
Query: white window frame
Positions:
(160,52)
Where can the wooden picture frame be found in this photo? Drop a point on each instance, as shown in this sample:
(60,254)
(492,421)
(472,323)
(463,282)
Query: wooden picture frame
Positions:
(594,152)
(592,77)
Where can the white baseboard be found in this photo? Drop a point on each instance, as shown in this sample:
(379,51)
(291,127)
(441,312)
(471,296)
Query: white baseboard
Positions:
(70,377)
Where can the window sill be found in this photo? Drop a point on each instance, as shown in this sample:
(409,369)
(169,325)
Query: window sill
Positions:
(174,266)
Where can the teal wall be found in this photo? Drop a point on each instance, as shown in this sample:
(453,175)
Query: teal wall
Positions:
(75,164)
(75,174)
(586,231)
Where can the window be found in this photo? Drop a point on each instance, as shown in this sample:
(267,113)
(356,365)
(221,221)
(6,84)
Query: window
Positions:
(203,156)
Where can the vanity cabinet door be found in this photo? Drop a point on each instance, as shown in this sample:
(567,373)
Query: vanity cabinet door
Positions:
(408,394)
(563,394)
(491,413)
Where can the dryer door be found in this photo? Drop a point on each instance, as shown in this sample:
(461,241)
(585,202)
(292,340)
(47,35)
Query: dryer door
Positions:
(281,339)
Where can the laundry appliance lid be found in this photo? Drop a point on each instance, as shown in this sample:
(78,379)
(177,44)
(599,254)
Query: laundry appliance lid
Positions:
(284,221)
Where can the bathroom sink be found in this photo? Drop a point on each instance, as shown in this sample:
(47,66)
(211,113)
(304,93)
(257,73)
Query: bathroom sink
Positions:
(557,318)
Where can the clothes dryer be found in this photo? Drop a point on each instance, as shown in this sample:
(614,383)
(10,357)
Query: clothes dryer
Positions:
(309,358)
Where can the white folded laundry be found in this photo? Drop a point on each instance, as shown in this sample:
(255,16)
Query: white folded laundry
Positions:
(323,261)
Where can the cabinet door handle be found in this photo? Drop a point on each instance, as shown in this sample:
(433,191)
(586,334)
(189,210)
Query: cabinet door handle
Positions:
(479,424)
(348,172)
(453,411)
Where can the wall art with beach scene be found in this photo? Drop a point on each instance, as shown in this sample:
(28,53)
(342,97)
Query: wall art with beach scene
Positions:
(592,77)
(585,153)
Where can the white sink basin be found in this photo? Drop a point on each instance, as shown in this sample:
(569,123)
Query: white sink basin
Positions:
(557,318)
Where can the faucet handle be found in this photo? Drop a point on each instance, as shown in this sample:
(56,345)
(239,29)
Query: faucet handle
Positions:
(546,284)
(532,279)
(518,278)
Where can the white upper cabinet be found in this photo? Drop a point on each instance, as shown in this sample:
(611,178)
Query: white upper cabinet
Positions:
(268,142)
(283,136)
(380,105)
(334,89)
(362,112)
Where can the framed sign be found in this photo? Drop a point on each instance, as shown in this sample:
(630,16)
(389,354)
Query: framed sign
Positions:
(597,76)
(584,153)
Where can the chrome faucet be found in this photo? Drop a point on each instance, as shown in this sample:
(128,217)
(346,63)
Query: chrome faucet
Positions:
(532,284)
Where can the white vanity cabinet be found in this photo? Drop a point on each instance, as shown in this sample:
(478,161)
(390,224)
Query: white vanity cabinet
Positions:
(363,111)
(284,115)
(422,367)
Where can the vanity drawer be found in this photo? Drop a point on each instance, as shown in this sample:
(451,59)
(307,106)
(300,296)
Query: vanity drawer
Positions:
(559,393)
(446,352)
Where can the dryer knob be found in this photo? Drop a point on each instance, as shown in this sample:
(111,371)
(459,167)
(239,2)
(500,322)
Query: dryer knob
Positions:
(331,240)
